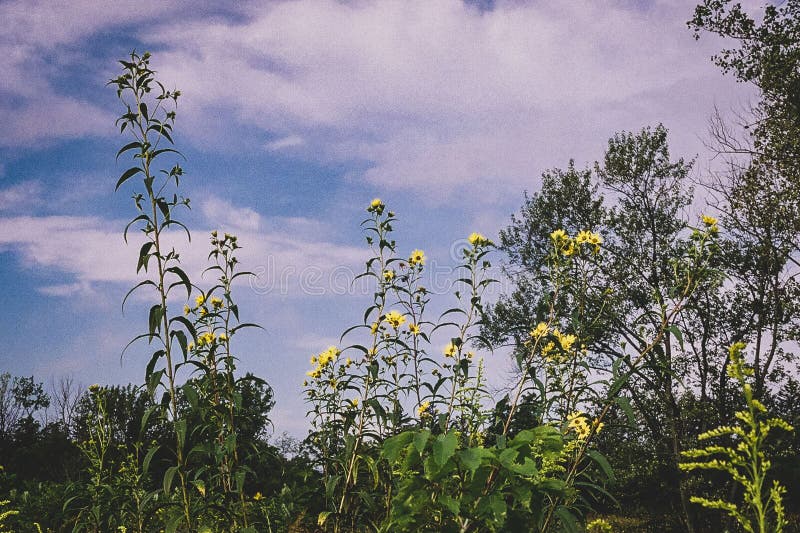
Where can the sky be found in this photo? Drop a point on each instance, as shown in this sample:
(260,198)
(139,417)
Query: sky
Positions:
(294,115)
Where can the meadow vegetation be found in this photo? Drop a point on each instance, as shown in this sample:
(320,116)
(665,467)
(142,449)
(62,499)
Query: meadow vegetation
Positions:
(653,340)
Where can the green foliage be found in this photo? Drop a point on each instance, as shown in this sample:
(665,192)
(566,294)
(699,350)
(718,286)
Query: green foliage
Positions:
(743,459)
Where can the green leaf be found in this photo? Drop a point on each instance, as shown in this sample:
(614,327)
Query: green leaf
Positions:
(144,256)
(168,476)
(567,519)
(421,440)
(156,313)
(393,445)
(184,279)
(129,146)
(603,463)
(127,175)
(625,404)
(444,447)
(675,330)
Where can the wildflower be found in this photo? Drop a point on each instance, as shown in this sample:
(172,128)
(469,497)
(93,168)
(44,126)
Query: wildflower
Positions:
(569,249)
(328,356)
(257,496)
(348,362)
(191,346)
(216,302)
(417,257)
(200,300)
(476,239)
(583,237)
(470,355)
(708,220)
(566,341)
(203,312)
(374,327)
(223,337)
(388,274)
(414,329)
(395,319)
(450,350)
(559,236)
(354,402)
(186,309)
(539,331)
(376,203)
(423,409)
(94,387)
(576,421)
(598,426)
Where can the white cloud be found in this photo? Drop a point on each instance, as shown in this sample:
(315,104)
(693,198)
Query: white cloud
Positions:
(288,255)
(290,141)
(20,196)
(439,96)
(222,212)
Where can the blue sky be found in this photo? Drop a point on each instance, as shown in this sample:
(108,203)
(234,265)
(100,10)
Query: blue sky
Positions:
(294,116)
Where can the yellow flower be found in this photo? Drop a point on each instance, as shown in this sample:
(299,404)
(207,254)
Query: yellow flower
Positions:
(223,337)
(569,249)
(257,496)
(395,319)
(423,408)
(203,312)
(374,327)
(191,346)
(470,355)
(558,236)
(450,350)
(583,237)
(388,274)
(576,421)
(186,309)
(326,357)
(216,302)
(476,239)
(417,257)
(200,300)
(708,220)
(348,362)
(539,330)
(566,341)
(354,402)
(414,329)
(376,203)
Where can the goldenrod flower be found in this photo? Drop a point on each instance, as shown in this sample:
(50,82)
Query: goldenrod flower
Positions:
(395,319)
(417,257)
(450,350)
(414,329)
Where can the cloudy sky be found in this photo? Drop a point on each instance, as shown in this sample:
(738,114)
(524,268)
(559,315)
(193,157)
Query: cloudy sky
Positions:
(294,115)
